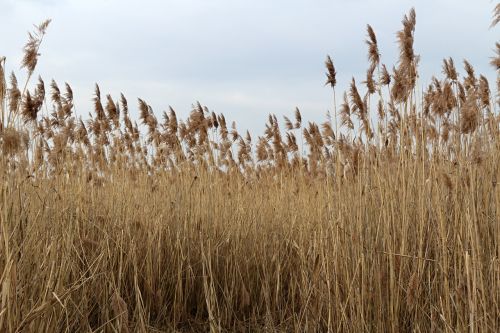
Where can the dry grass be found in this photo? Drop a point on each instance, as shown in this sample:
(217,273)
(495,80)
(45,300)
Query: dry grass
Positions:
(386,219)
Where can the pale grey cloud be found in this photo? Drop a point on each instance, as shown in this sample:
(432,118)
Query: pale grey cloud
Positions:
(243,58)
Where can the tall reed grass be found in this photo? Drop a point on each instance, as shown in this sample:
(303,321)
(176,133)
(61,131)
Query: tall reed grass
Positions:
(383,218)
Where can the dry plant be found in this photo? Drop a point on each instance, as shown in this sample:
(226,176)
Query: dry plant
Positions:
(384,218)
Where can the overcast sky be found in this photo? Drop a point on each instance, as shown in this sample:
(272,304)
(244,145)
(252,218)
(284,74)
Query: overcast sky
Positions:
(245,59)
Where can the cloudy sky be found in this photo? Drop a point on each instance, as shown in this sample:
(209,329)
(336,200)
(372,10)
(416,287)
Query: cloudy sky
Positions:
(245,59)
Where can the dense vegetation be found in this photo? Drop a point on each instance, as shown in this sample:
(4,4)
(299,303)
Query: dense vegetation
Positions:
(383,218)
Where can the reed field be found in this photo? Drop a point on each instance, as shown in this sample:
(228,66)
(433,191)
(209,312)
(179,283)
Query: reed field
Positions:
(383,218)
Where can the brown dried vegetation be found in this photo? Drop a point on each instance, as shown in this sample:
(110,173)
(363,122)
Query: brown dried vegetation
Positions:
(388,222)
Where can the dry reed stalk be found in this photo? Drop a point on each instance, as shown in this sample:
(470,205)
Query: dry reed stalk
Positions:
(3,92)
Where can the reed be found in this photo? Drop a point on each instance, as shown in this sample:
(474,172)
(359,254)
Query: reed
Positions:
(382,219)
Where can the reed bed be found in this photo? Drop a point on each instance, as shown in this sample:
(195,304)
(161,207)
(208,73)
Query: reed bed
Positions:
(384,218)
